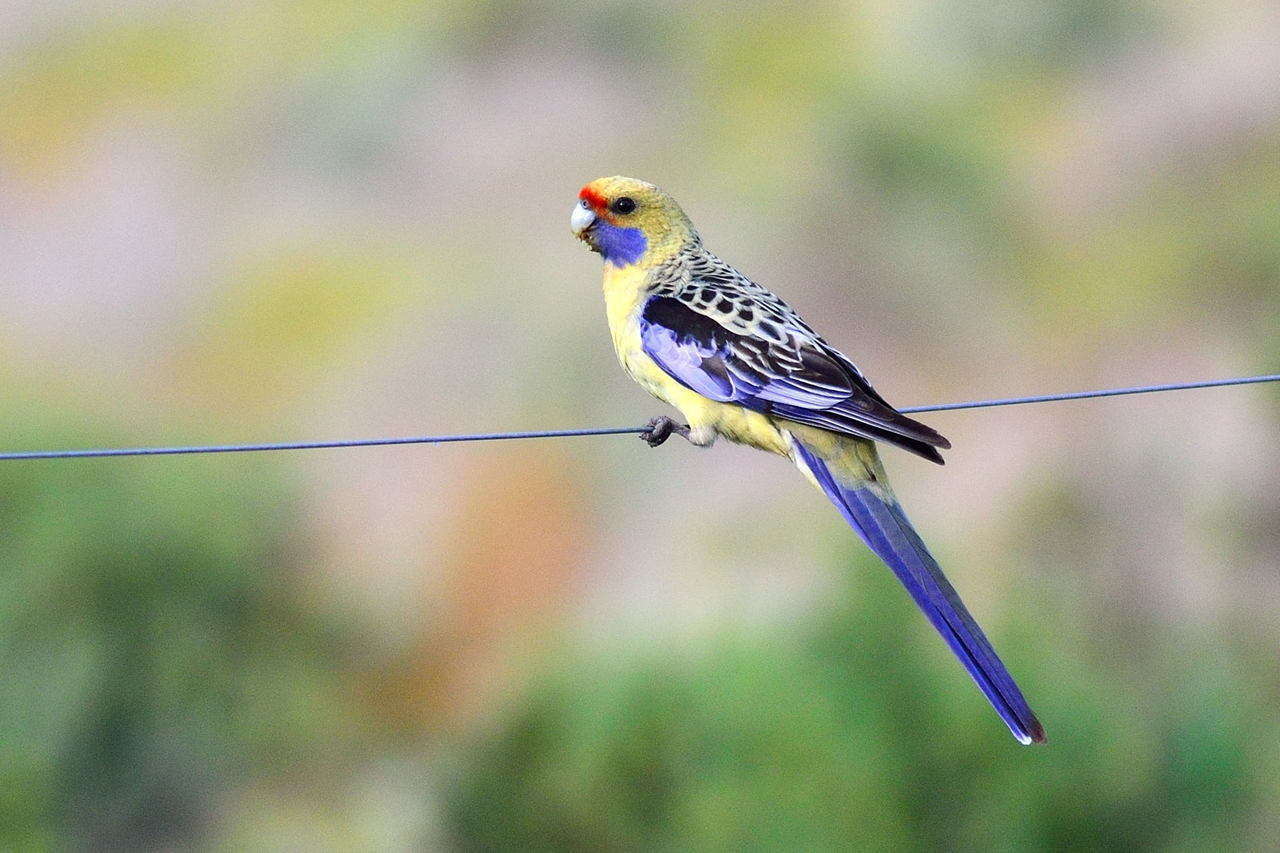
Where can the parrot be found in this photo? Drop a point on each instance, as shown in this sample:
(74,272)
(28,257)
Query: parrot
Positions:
(737,362)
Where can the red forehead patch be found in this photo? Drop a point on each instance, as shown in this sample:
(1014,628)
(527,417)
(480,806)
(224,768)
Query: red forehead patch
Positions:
(592,197)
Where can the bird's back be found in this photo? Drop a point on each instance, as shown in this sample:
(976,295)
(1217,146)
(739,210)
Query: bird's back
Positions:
(717,332)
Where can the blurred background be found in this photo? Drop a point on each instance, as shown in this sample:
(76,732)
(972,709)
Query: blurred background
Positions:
(227,222)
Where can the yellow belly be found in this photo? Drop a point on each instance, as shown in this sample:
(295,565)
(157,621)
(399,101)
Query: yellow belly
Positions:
(624,292)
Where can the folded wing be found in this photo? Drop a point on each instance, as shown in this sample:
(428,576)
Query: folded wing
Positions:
(780,369)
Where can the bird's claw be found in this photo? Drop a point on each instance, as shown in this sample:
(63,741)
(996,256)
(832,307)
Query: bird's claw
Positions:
(659,429)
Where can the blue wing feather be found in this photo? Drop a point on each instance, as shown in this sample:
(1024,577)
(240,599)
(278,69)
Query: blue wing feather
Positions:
(687,361)
(800,379)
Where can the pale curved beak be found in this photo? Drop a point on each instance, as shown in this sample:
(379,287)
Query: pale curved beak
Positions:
(582,218)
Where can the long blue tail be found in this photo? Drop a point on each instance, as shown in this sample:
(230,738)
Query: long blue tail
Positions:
(884,527)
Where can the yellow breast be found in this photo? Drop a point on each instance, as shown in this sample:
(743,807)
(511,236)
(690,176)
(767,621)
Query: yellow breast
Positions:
(625,292)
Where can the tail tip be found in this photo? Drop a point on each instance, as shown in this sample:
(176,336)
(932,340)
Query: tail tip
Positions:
(1031,733)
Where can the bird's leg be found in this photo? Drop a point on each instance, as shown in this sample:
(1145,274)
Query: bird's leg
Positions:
(659,429)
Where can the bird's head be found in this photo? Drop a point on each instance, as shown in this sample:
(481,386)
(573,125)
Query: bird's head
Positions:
(624,219)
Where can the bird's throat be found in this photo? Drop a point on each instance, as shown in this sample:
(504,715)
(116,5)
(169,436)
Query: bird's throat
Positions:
(619,246)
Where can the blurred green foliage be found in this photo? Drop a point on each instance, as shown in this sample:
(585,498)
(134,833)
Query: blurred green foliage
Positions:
(159,646)
(856,730)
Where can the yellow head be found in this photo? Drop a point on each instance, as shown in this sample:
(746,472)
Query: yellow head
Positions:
(628,221)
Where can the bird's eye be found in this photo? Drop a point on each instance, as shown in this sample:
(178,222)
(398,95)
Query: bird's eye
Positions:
(623,205)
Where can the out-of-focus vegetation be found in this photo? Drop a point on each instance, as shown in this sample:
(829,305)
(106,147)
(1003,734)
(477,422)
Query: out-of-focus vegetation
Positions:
(160,646)
(837,732)
(229,221)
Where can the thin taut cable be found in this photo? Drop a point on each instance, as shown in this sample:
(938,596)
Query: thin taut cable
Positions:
(573,433)
(1085,395)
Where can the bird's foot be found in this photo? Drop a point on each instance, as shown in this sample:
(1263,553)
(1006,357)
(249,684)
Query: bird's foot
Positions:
(659,429)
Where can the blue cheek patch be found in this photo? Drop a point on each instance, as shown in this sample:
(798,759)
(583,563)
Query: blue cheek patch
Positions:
(621,247)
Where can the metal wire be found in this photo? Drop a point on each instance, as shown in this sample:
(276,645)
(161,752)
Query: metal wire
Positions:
(573,433)
(1085,395)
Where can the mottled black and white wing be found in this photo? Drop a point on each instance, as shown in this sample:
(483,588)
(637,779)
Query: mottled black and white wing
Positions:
(729,339)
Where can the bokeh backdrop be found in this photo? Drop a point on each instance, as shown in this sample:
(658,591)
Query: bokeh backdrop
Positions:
(242,221)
